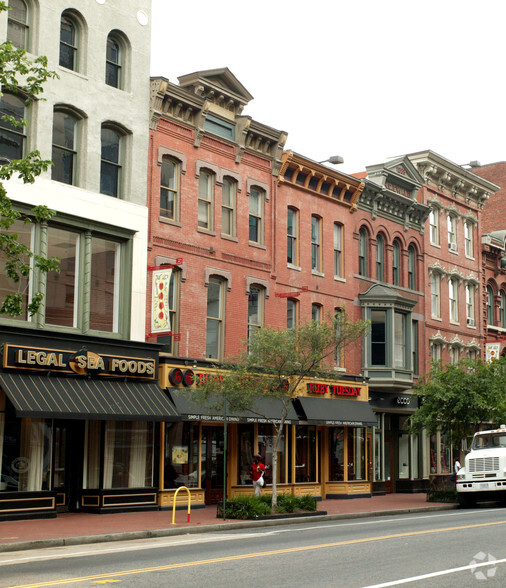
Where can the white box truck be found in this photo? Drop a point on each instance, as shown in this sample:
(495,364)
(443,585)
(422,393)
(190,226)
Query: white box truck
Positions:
(483,476)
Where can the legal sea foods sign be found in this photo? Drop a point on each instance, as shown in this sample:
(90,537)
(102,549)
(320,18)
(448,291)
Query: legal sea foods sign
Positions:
(82,362)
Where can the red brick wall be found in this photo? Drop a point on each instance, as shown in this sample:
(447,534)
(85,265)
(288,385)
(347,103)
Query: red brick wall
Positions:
(494,211)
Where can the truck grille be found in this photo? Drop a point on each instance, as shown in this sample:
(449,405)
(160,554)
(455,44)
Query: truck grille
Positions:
(483,464)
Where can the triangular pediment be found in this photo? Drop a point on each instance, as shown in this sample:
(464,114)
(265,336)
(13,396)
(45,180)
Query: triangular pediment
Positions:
(221,80)
(398,175)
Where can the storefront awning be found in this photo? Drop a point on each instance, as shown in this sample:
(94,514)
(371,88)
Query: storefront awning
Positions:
(335,411)
(263,410)
(76,398)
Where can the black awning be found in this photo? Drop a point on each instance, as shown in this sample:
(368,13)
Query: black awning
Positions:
(335,411)
(263,410)
(77,398)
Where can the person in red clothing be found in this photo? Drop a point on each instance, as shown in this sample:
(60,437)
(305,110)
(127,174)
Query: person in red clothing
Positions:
(257,474)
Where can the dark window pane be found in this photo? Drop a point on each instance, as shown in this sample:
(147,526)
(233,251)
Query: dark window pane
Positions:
(166,203)
(14,106)
(110,145)
(112,75)
(109,179)
(253,229)
(11,145)
(63,168)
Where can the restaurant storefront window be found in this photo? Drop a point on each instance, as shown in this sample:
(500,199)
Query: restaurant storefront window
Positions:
(356,454)
(128,456)
(245,437)
(181,455)
(336,461)
(266,434)
(25,446)
(305,454)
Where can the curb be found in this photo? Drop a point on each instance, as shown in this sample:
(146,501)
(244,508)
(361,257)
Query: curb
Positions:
(214,527)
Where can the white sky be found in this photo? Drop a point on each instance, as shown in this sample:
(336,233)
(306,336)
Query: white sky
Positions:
(364,79)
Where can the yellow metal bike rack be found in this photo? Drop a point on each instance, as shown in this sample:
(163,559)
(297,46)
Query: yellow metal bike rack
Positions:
(174,503)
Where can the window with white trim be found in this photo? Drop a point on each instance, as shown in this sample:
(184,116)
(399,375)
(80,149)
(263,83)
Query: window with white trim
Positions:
(316,237)
(291,313)
(206,200)
(338,250)
(435,295)
(114,57)
(470,294)
(380,255)
(170,177)
(69,42)
(452,232)
(256,215)
(469,238)
(490,305)
(64,168)
(256,306)
(292,228)
(17,24)
(454,300)
(362,251)
(215,318)
(396,263)
(434,226)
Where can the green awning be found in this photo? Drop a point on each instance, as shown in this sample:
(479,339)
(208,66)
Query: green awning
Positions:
(35,396)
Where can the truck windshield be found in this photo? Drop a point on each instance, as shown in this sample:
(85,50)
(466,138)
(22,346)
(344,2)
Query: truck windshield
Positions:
(489,441)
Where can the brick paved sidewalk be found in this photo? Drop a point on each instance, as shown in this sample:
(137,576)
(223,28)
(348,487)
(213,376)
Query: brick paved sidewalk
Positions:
(94,527)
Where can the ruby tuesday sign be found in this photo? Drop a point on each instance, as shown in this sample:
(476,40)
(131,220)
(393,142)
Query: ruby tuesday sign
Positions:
(333,389)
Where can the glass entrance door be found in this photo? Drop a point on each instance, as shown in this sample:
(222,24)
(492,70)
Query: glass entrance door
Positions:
(68,445)
(213,461)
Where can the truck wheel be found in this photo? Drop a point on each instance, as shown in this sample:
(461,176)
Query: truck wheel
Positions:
(467,500)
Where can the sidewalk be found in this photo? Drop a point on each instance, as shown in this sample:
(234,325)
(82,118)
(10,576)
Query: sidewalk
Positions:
(81,528)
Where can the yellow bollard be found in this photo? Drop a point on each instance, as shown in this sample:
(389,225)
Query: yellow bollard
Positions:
(174,504)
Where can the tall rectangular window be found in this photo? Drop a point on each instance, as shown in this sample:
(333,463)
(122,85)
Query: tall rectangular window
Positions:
(414,346)
(436,351)
(435,295)
(214,329)
(411,268)
(228,207)
(378,337)
(316,313)
(362,252)
(399,340)
(452,232)
(490,306)
(111,163)
(434,226)
(206,200)
(380,252)
(338,250)
(396,264)
(454,301)
(17,24)
(316,263)
(104,285)
(502,309)
(62,287)
(64,148)
(169,188)
(468,238)
(256,215)
(12,136)
(68,42)
(291,236)
(170,345)
(291,313)
(470,305)
(256,297)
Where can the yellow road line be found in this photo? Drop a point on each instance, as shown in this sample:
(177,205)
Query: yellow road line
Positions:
(250,555)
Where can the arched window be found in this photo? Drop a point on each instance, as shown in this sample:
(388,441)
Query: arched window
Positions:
(396,264)
(380,256)
(411,268)
(470,293)
(170,174)
(228,207)
(12,137)
(469,238)
(256,305)
(111,161)
(17,24)
(69,37)
(291,313)
(64,147)
(502,308)
(452,232)
(435,295)
(490,305)
(114,62)
(215,318)
(316,313)
(362,252)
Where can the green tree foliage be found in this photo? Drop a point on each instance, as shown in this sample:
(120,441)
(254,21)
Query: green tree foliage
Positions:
(274,363)
(24,77)
(457,398)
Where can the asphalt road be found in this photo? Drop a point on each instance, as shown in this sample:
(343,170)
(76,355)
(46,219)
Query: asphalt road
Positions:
(449,548)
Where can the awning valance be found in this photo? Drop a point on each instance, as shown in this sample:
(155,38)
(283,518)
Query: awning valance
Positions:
(335,411)
(263,410)
(91,399)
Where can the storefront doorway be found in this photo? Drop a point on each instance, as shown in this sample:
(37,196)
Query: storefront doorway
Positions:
(212,457)
(389,464)
(68,450)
